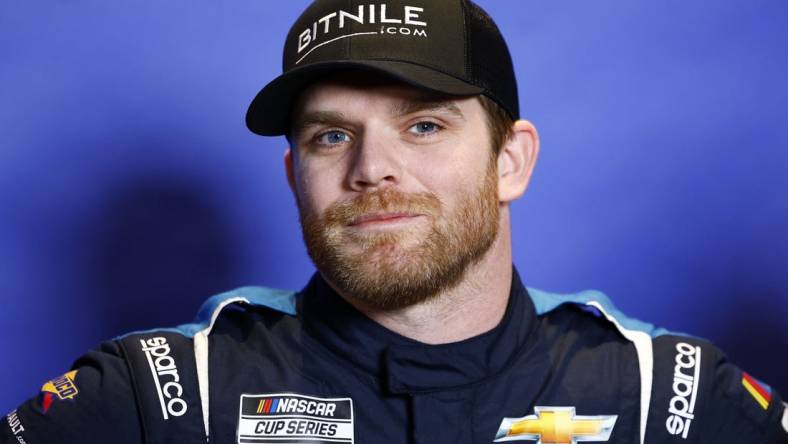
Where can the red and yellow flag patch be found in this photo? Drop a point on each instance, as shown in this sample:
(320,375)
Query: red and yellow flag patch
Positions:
(760,391)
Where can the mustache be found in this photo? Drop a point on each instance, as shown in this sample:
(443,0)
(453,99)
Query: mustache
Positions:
(386,200)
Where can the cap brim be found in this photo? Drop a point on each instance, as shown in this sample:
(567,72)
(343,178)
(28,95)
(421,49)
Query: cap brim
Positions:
(269,112)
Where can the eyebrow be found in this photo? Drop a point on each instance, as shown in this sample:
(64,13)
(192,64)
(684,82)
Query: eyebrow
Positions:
(310,118)
(427,103)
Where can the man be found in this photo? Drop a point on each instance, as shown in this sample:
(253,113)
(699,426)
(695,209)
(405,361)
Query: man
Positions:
(405,154)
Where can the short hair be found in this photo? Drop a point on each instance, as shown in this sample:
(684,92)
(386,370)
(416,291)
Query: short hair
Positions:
(499,123)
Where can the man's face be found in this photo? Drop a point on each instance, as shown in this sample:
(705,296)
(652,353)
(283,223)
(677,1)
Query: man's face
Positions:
(397,190)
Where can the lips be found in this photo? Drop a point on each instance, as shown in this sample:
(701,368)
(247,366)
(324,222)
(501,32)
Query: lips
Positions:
(369,219)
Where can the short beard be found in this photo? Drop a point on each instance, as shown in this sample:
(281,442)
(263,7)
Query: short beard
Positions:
(383,272)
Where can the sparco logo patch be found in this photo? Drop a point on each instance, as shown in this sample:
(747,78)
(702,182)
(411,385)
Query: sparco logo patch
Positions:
(165,376)
(404,22)
(291,418)
(686,376)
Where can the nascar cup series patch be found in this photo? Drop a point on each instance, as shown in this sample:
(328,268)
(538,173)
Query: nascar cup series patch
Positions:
(293,418)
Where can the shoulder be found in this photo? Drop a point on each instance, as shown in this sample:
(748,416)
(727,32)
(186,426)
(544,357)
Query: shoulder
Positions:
(228,312)
(92,402)
(591,321)
(689,389)
(596,305)
(170,366)
(271,300)
(134,385)
(700,396)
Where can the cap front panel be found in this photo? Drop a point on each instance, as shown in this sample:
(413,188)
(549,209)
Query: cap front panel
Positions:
(430,33)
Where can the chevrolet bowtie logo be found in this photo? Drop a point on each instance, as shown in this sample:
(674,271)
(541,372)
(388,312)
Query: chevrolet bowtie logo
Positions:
(556,425)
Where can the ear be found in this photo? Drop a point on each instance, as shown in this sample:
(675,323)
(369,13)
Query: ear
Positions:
(289,170)
(516,161)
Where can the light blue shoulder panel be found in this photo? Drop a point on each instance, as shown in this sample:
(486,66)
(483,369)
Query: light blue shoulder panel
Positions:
(280,300)
(546,302)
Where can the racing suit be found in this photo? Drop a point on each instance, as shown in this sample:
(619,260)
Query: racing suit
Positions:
(270,366)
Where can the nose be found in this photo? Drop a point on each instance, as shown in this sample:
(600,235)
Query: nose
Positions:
(376,164)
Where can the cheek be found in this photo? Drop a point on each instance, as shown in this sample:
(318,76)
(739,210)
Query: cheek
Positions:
(452,178)
(316,191)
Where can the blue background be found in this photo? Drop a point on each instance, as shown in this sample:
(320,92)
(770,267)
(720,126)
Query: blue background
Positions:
(130,189)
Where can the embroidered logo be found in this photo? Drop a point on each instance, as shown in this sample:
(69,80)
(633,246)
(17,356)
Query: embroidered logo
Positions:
(62,388)
(686,377)
(556,425)
(165,376)
(760,391)
(376,20)
(293,418)
(16,425)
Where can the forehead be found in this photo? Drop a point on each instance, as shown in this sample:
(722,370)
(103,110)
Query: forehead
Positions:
(366,91)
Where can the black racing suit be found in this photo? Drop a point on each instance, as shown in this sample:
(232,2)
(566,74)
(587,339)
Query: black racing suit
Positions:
(268,366)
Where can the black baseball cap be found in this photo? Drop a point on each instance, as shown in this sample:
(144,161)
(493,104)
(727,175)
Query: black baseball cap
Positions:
(450,47)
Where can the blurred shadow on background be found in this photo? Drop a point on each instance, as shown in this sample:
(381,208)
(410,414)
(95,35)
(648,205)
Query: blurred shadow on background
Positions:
(160,250)
(752,333)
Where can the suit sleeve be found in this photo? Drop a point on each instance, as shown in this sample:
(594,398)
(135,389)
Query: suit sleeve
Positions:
(744,409)
(92,403)
(698,396)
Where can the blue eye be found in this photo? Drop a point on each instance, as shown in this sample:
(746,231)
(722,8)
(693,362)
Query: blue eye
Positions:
(425,128)
(333,138)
